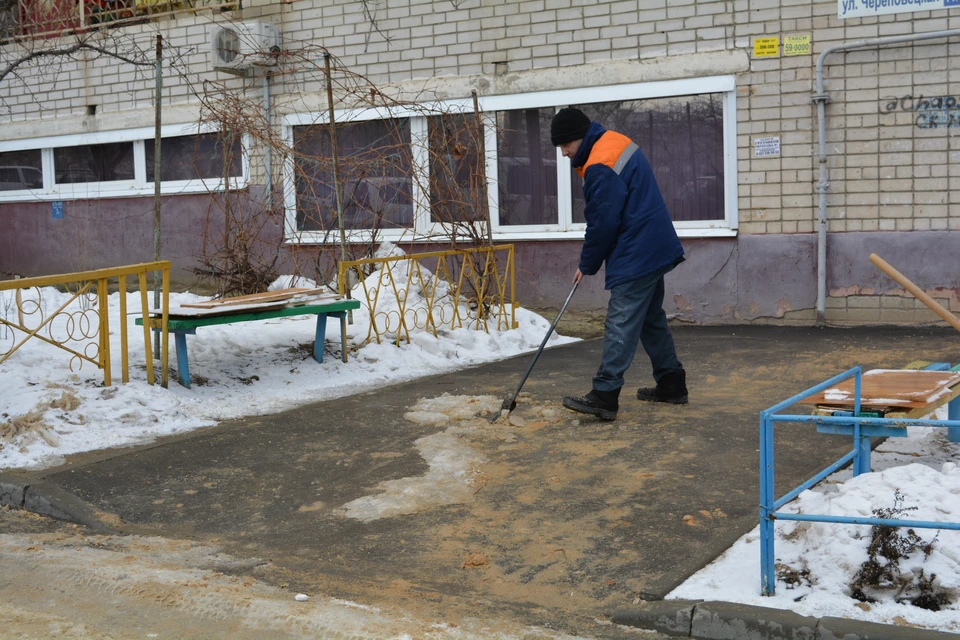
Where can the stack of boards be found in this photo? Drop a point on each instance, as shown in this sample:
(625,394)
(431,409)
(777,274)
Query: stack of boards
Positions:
(293,297)
(883,389)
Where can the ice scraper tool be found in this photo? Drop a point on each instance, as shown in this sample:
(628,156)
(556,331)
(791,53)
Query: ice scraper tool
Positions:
(511,402)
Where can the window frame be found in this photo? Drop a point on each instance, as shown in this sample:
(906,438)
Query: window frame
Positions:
(424,230)
(138,187)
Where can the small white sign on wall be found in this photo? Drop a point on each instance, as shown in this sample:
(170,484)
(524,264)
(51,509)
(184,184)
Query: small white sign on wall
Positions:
(766,147)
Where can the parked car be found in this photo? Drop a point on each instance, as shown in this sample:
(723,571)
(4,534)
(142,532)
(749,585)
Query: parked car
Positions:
(15,178)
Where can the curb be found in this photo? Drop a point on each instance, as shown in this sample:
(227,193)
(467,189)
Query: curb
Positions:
(46,499)
(732,621)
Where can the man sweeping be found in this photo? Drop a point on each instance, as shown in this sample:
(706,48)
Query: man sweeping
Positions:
(629,229)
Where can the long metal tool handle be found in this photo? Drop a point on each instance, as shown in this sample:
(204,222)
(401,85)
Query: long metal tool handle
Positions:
(918,293)
(544,343)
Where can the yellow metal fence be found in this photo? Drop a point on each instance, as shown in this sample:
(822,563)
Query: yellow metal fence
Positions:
(471,287)
(85,332)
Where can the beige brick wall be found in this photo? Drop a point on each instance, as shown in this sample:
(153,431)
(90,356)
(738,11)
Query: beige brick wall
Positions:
(887,309)
(885,171)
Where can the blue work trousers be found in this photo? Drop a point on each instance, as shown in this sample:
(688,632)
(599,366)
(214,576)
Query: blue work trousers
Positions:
(635,315)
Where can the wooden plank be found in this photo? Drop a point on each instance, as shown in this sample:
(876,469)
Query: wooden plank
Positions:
(193,312)
(910,389)
(183,322)
(919,412)
(256,298)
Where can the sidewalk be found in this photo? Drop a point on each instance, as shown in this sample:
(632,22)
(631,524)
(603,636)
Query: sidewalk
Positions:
(572,519)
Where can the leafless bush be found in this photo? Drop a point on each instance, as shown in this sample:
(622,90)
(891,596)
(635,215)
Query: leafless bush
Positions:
(381,182)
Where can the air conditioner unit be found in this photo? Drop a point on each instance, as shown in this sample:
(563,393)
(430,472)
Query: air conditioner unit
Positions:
(243,45)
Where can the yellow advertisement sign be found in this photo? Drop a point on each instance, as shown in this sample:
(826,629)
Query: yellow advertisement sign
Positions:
(766,47)
(796,45)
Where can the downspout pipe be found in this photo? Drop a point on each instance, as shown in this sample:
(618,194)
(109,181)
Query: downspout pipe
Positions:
(821,98)
(267,159)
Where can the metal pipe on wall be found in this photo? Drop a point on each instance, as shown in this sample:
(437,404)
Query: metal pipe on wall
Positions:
(266,152)
(157,178)
(821,98)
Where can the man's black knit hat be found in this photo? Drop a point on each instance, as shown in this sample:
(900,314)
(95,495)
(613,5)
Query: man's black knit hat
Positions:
(568,125)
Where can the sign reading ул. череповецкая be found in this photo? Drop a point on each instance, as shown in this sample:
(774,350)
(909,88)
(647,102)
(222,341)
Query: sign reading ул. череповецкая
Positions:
(871,8)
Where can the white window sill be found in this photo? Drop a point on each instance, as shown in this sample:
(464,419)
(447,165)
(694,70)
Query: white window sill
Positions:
(407,236)
(77,192)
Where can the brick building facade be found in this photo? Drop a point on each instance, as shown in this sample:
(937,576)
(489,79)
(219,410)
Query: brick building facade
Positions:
(726,115)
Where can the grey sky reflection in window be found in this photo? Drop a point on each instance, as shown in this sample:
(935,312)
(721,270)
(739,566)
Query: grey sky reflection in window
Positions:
(527,167)
(195,157)
(375,171)
(109,162)
(682,138)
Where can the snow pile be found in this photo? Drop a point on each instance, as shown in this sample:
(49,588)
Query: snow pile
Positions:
(821,560)
(410,291)
(248,368)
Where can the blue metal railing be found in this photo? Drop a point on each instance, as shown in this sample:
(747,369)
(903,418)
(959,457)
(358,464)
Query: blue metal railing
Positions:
(862,430)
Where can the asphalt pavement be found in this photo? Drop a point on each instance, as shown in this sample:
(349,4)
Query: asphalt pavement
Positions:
(578,520)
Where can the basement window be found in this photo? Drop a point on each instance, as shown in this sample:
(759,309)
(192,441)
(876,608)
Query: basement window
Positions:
(93,163)
(21,170)
(111,164)
(208,156)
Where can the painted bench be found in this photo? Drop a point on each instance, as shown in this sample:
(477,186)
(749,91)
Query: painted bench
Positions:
(182,325)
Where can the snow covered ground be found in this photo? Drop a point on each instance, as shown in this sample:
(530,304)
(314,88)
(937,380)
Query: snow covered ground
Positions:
(249,368)
(823,559)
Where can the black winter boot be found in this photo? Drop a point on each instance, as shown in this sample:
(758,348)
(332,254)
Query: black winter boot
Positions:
(603,404)
(672,388)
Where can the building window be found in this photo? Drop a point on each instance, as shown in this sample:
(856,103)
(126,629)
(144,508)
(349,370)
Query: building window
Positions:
(375,174)
(455,170)
(93,163)
(20,170)
(46,18)
(682,139)
(685,128)
(207,156)
(527,168)
(111,164)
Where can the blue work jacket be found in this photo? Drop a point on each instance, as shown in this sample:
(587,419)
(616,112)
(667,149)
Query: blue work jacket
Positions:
(628,225)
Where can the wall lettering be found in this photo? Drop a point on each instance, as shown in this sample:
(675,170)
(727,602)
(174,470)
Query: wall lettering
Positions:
(936,112)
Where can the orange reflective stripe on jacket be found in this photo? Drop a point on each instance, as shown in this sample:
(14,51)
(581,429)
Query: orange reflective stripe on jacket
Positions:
(608,150)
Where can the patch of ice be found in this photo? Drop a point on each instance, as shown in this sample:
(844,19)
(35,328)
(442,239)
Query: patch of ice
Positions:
(448,481)
(427,418)
(459,407)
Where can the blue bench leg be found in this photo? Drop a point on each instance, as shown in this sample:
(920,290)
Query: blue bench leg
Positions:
(953,413)
(320,336)
(183,364)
